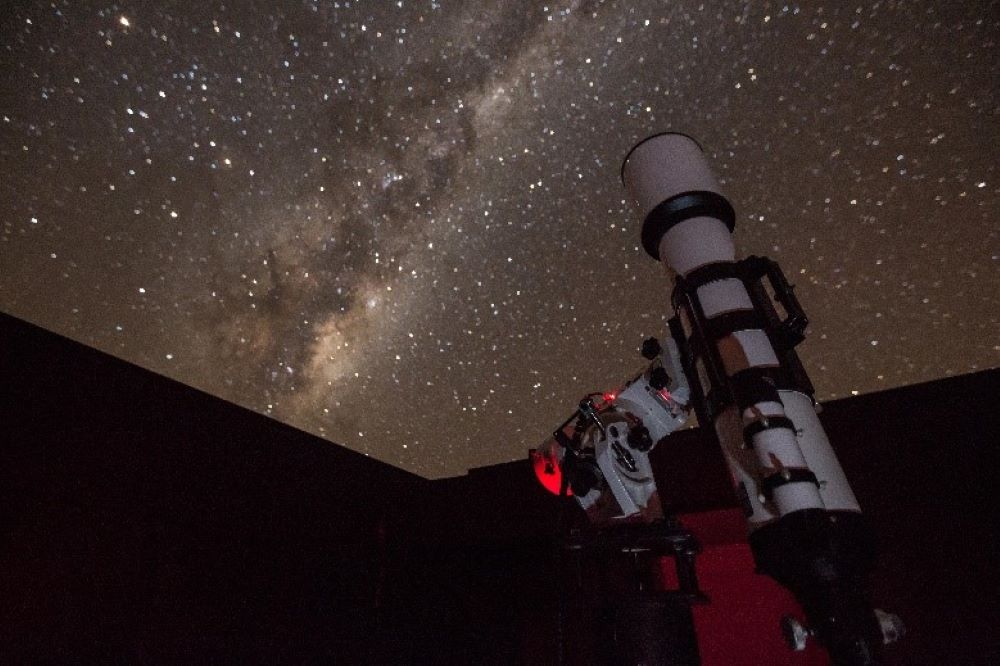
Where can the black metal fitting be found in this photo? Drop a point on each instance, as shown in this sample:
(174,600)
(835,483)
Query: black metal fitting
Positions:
(651,348)
(659,379)
(671,212)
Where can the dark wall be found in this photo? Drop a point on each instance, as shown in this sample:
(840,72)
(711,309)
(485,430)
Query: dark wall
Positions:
(142,518)
(924,463)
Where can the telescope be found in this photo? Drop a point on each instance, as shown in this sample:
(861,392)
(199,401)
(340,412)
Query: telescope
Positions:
(730,358)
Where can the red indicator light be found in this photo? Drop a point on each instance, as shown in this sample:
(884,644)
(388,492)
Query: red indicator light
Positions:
(548,473)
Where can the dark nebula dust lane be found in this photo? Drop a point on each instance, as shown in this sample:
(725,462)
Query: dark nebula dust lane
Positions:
(399,225)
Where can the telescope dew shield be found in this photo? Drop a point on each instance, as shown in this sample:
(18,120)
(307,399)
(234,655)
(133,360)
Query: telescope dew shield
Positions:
(806,528)
(671,185)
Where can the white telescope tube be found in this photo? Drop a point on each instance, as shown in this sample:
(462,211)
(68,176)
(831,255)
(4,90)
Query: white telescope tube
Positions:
(687,226)
(806,529)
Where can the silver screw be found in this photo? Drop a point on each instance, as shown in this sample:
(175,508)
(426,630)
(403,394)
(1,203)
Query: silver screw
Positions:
(794,632)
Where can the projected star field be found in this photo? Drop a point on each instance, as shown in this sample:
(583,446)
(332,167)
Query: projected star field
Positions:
(399,225)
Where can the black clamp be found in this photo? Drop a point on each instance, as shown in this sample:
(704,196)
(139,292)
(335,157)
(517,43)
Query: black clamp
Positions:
(697,336)
(759,384)
(684,206)
(765,423)
(786,333)
(699,277)
(786,475)
(727,323)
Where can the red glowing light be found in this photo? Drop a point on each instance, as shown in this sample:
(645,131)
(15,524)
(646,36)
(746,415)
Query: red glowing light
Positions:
(548,473)
(609,397)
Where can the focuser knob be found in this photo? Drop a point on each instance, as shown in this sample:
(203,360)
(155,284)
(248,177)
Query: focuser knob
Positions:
(651,348)
(659,379)
(639,438)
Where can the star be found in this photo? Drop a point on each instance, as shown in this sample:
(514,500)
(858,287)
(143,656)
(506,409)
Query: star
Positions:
(405,219)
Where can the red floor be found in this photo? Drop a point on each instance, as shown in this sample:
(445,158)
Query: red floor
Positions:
(740,624)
